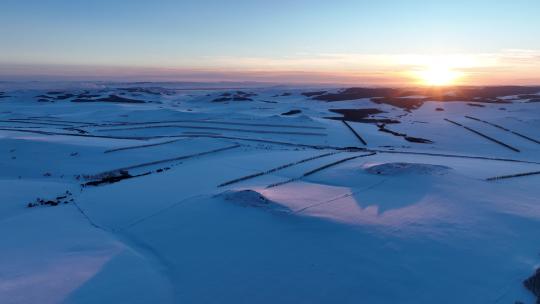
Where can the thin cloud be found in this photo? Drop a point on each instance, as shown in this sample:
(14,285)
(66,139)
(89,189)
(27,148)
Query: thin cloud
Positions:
(506,66)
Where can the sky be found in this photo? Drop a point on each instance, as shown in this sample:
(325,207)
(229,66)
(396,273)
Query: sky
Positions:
(341,41)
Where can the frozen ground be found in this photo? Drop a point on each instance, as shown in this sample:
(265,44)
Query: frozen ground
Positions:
(193,193)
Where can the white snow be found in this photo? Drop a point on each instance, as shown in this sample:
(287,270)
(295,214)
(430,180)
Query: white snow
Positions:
(301,217)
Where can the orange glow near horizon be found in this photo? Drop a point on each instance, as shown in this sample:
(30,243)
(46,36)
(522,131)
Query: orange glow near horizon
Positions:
(441,70)
(438,75)
(512,67)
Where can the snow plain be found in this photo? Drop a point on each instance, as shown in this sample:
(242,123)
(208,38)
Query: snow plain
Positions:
(232,202)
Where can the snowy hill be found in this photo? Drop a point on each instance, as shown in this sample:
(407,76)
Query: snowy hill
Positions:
(249,193)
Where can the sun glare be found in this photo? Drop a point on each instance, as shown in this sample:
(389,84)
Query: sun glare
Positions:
(438,75)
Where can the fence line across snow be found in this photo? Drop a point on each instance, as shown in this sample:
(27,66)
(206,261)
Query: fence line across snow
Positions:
(512,175)
(504,128)
(483,135)
(354,132)
(319,169)
(237,180)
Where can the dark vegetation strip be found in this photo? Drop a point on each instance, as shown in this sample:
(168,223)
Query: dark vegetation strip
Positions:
(354,132)
(214,128)
(234,181)
(141,146)
(383,128)
(64,198)
(483,135)
(361,115)
(210,122)
(512,175)
(157,162)
(114,178)
(291,112)
(394,95)
(503,128)
(318,170)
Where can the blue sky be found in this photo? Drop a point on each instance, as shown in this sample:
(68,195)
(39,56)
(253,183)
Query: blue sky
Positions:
(190,34)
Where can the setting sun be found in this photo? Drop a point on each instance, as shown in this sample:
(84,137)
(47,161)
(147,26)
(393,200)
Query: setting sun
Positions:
(255,151)
(438,76)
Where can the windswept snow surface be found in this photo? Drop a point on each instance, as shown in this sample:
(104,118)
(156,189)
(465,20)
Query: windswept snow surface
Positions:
(206,193)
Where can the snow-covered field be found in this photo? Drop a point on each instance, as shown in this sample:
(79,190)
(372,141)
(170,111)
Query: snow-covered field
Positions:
(163,193)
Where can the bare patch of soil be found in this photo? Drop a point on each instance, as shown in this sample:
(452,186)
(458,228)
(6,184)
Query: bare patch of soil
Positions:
(291,112)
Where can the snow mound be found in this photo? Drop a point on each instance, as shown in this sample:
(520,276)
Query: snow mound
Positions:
(251,198)
(406,168)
